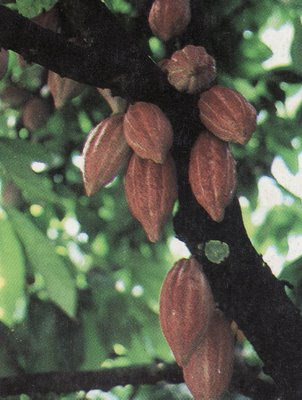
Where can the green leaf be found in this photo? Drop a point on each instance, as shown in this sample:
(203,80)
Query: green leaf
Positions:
(16,160)
(95,354)
(293,274)
(42,255)
(31,8)
(12,273)
(296,47)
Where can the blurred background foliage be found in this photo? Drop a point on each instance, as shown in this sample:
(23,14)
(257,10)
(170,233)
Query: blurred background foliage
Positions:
(79,282)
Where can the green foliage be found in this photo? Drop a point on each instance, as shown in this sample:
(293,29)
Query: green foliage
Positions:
(42,256)
(31,8)
(12,273)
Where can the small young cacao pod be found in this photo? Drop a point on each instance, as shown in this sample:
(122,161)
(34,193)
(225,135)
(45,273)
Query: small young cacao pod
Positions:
(210,368)
(14,96)
(169,18)
(105,153)
(35,113)
(212,174)
(148,131)
(191,69)
(151,190)
(49,19)
(62,89)
(227,114)
(186,308)
(3,62)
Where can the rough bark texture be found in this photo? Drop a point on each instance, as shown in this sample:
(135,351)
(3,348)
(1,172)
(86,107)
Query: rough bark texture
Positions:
(243,285)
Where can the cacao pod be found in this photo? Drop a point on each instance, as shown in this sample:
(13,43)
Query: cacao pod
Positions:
(14,96)
(191,69)
(169,18)
(62,89)
(151,190)
(186,308)
(212,174)
(227,114)
(49,19)
(105,153)
(148,131)
(3,62)
(35,113)
(210,368)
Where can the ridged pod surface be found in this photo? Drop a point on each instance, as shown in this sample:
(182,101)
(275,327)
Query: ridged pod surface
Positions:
(105,153)
(191,69)
(186,308)
(169,18)
(227,114)
(35,113)
(212,174)
(148,131)
(151,191)
(210,368)
(62,89)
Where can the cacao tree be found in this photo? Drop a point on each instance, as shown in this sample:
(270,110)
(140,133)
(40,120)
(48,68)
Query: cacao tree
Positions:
(125,122)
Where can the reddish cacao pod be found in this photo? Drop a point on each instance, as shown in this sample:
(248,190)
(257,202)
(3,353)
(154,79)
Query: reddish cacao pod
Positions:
(151,190)
(169,18)
(3,62)
(186,308)
(210,368)
(191,69)
(105,153)
(148,131)
(14,96)
(62,89)
(35,113)
(227,114)
(212,174)
(49,19)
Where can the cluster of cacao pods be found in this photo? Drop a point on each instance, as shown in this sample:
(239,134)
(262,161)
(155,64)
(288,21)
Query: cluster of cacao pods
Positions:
(140,138)
(198,334)
(227,117)
(225,114)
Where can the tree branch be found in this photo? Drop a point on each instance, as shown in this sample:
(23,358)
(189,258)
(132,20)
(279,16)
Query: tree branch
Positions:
(243,285)
(245,380)
(120,65)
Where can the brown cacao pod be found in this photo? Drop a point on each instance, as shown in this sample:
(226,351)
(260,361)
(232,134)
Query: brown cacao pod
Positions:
(191,69)
(169,18)
(49,19)
(151,190)
(148,131)
(105,153)
(35,113)
(186,308)
(62,89)
(14,96)
(210,368)
(227,114)
(3,62)
(212,174)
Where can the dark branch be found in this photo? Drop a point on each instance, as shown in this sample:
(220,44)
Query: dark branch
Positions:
(111,63)
(245,380)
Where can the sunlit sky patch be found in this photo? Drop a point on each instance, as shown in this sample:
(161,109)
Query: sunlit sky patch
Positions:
(279,41)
